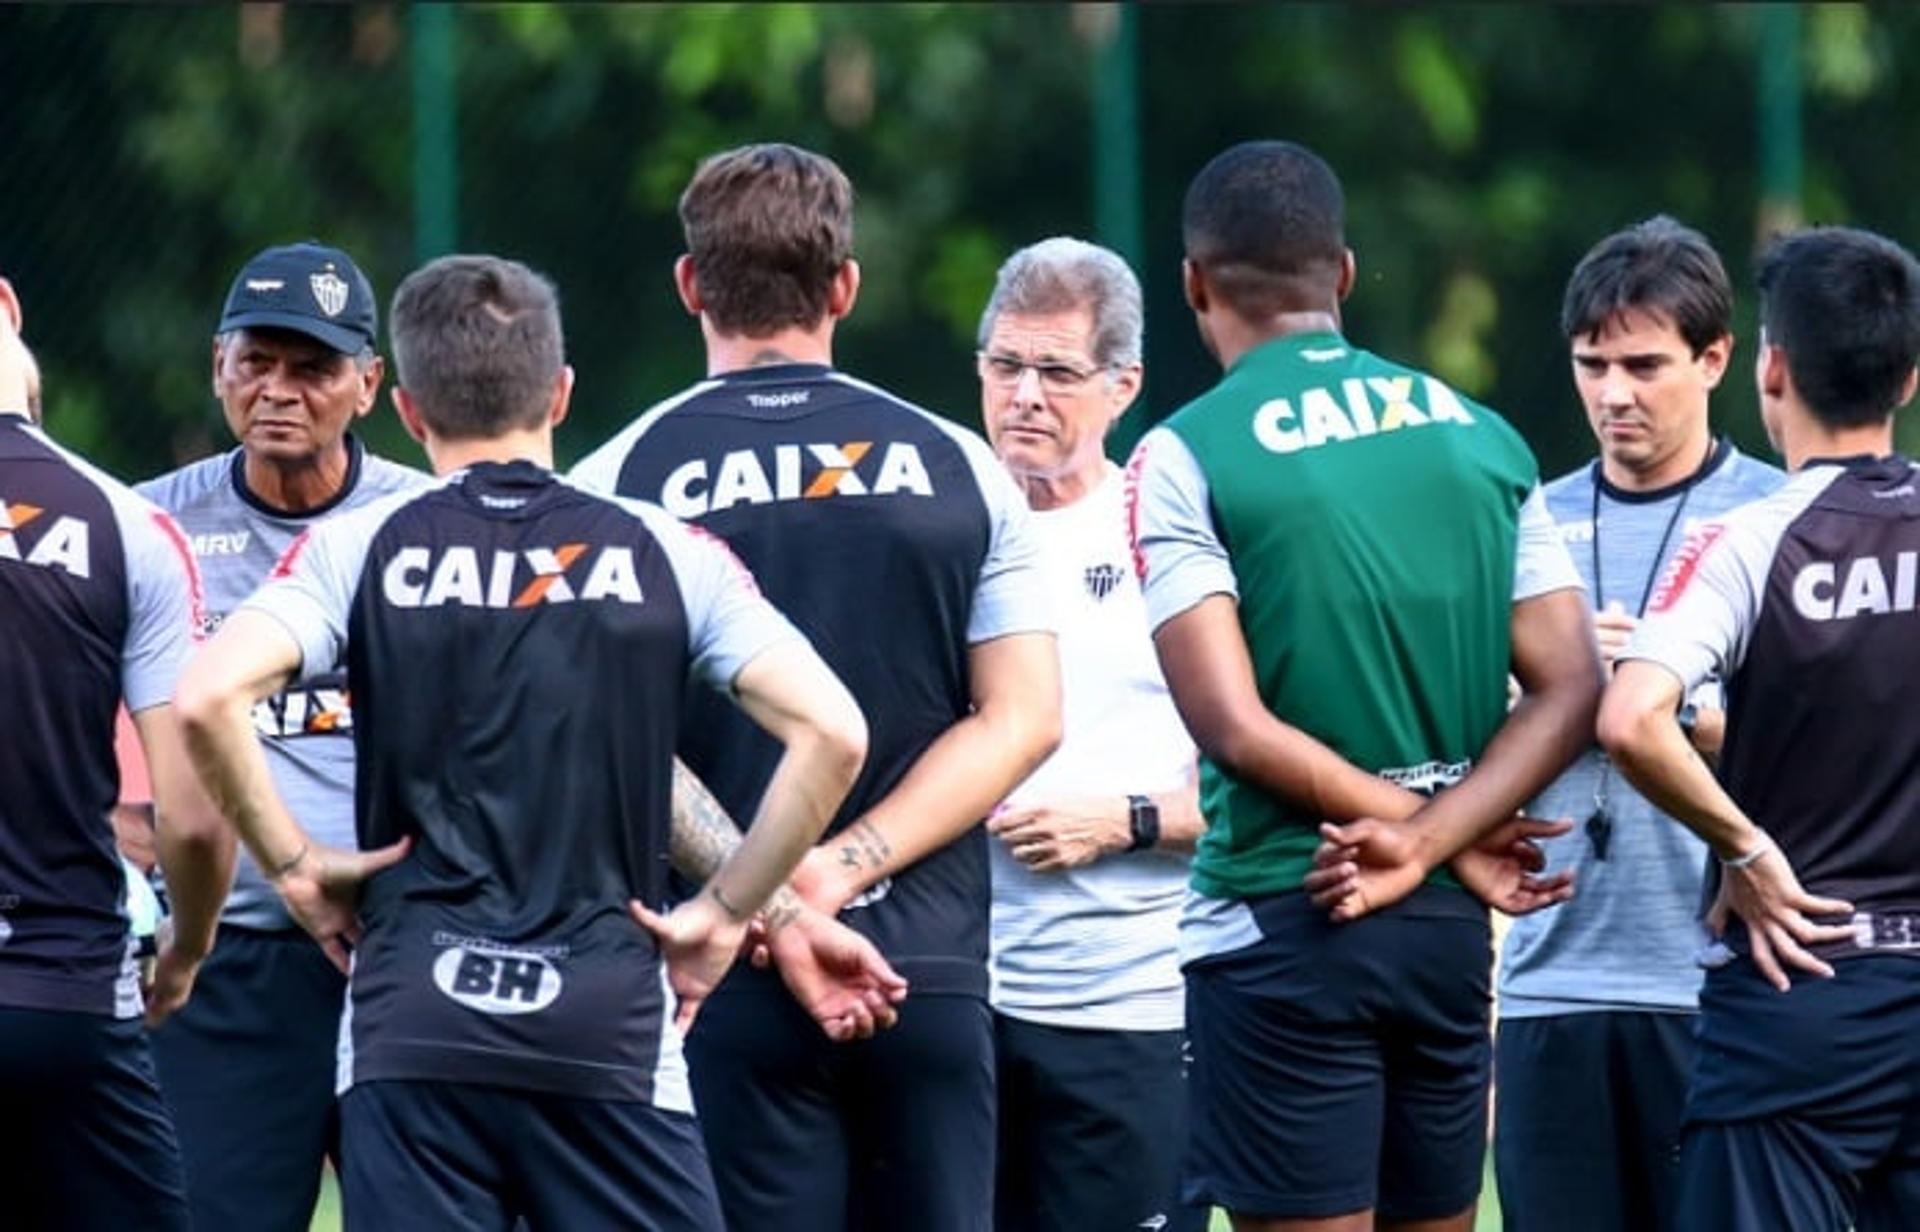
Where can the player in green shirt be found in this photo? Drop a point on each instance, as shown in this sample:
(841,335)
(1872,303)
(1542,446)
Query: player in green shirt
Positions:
(1343,558)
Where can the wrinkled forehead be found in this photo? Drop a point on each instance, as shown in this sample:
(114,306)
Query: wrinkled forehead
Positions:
(1043,335)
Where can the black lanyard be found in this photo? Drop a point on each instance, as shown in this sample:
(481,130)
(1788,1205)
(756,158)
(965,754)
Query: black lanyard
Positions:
(1599,827)
(1673,520)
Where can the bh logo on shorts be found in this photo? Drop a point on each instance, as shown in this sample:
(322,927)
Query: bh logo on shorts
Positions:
(496,979)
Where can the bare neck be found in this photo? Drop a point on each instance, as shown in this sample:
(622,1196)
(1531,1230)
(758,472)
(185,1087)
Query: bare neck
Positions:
(736,352)
(1058,491)
(1804,438)
(1234,335)
(300,487)
(535,446)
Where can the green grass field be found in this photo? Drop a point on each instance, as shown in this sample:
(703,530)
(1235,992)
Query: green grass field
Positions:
(326,1216)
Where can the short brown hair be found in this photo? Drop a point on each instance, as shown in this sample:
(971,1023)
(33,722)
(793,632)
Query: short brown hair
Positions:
(1657,266)
(477,341)
(768,228)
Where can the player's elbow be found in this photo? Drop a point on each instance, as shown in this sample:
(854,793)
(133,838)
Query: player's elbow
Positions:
(1034,729)
(198,704)
(845,747)
(1624,727)
(836,741)
(192,831)
(1231,739)
(1016,700)
(1046,728)
(205,705)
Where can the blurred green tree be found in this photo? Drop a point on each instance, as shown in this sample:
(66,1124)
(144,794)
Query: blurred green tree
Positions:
(148,151)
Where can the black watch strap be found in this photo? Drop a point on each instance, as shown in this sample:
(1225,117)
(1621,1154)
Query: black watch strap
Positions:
(1143,819)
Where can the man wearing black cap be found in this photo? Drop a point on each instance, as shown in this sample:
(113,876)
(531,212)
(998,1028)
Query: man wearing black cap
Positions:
(249,1067)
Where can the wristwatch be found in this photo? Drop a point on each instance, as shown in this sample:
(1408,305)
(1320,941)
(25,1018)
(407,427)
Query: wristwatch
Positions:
(1688,717)
(1143,819)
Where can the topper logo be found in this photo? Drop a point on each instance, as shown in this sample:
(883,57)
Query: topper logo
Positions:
(497,981)
(774,401)
(62,545)
(414,578)
(743,476)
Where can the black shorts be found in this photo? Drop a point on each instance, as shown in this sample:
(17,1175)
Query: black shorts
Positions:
(85,1139)
(1805,1107)
(1343,1067)
(1092,1129)
(807,1135)
(248,1068)
(465,1158)
(1586,1131)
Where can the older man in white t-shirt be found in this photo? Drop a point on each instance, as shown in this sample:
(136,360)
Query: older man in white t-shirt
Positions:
(1090,857)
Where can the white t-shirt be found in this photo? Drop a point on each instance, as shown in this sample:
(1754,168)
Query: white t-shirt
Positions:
(1097,946)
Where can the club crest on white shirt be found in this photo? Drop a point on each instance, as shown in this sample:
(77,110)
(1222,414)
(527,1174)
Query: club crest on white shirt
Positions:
(1103,580)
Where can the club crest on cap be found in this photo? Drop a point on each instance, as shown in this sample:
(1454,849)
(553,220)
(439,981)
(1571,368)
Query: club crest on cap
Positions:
(329,291)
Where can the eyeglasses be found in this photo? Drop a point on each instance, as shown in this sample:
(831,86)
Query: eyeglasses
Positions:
(1055,378)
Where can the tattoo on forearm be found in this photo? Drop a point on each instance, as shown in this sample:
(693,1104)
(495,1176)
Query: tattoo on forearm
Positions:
(781,910)
(860,847)
(703,834)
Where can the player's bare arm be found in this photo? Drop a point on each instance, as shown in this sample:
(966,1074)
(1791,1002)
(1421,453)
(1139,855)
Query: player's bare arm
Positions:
(1203,654)
(1015,724)
(1615,626)
(252,656)
(1637,729)
(790,692)
(1554,659)
(837,975)
(196,852)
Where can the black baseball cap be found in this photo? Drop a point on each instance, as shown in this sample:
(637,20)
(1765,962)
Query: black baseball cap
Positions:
(308,288)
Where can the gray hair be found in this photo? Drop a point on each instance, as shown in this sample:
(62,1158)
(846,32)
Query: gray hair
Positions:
(1063,274)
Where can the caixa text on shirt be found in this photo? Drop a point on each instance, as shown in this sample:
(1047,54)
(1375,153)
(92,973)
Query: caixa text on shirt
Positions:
(59,543)
(794,472)
(462,575)
(314,708)
(1363,407)
(494,978)
(1864,586)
